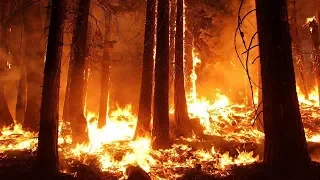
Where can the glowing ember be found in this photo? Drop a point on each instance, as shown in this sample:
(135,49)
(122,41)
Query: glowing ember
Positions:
(113,149)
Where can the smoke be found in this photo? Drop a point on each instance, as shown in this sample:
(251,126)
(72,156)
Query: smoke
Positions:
(223,72)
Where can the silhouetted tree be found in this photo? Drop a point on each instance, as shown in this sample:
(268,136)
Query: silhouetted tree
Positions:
(285,142)
(160,131)
(172,31)
(79,48)
(34,62)
(6,118)
(105,73)
(180,103)
(47,154)
(145,102)
(22,95)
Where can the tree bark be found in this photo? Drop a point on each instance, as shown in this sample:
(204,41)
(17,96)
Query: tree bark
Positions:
(6,118)
(145,101)
(22,95)
(79,48)
(172,24)
(160,131)
(285,142)
(180,102)
(188,51)
(65,115)
(105,74)
(34,61)
(47,155)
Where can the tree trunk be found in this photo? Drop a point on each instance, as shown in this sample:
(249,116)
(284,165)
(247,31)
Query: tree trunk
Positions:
(22,94)
(47,155)
(65,115)
(34,61)
(172,24)
(145,102)
(180,103)
(160,131)
(6,118)
(87,68)
(285,142)
(105,74)
(79,48)
(188,52)
(316,51)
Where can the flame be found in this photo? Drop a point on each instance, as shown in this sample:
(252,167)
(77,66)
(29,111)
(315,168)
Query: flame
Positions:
(113,148)
(309,20)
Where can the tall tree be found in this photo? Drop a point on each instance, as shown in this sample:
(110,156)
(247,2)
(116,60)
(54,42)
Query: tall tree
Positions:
(180,102)
(160,131)
(47,154)
(79,48)
(34,61)
(172,31)
(285,142)
(145,102)
(6,118)
(105,73)
(189,42)
(22,95)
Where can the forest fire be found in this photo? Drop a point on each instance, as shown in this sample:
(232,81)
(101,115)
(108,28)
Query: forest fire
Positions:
(159,89)
(113,148)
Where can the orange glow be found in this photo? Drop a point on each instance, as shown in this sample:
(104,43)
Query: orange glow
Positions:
(114,148)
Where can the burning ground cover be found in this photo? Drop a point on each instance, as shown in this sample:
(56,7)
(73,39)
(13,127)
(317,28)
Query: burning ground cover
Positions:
(228,140)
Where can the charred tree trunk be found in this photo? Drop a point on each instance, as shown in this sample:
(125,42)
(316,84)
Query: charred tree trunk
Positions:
(188,52)
(87,67)
(314,27)
(172,24)
(47,155)
(65,115)
(180,102)
(22,95)
(285,142)
(105,74)
(79,48)
(6,118)
(34,61)
(160,131)
(145,102)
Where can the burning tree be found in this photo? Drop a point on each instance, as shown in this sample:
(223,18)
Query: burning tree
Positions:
(160,131)
(145,102)
(79,53)
(285,142)
(105,73)
(180,103)
(47,155)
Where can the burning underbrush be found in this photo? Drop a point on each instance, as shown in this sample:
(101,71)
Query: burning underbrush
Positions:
(228,140)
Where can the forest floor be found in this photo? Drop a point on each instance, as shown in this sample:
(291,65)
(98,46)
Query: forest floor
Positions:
(17,165)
